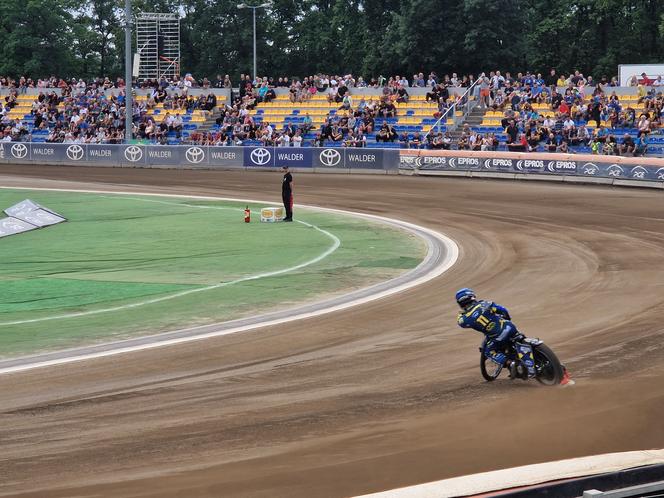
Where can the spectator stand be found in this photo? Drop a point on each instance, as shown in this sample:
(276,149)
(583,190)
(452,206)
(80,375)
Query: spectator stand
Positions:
(330,121)
(29,117)
(610,130)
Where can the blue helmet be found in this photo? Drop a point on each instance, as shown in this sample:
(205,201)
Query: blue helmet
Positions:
(465,296)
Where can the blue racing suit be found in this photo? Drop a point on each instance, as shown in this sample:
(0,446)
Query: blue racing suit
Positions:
(493,320)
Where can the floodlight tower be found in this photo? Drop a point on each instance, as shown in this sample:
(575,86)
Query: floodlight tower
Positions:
(129,114)
(261,6)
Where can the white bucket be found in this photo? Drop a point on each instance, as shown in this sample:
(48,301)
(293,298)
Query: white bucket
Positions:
(272,214)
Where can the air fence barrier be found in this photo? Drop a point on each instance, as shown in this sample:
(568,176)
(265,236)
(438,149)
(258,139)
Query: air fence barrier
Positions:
(579,168)
(202,157)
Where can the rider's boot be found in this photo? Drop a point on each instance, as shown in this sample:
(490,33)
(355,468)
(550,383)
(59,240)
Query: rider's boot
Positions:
(497,357)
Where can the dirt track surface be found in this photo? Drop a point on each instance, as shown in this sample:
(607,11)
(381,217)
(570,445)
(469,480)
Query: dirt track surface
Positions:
(383,395)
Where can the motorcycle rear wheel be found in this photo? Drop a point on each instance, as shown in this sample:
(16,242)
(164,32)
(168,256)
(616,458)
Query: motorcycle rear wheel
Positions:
(549,370)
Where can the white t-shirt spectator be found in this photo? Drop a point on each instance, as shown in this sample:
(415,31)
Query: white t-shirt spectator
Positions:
(568,124)
(284,140)
(497,81)
(583,133)
(297,140)
(472,139)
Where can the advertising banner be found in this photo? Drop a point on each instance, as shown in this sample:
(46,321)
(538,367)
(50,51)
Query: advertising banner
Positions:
(262,157)
(330,158)
(499,164)
(133,155)
(42,152)
(322,158)
(225,157)
(364,158)
(602,167)
(159,155)
(295,157)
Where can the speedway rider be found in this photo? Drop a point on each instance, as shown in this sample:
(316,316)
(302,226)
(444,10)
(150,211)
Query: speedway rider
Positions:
(491,319)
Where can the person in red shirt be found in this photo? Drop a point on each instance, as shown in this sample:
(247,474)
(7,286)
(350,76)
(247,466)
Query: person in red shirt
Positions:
(564,108)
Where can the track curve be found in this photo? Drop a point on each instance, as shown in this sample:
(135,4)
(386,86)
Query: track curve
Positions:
(375,397)
(442,253)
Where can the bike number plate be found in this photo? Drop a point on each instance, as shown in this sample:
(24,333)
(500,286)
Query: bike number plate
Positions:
(525,354)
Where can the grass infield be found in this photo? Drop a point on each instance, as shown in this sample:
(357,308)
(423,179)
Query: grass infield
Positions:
(129,265)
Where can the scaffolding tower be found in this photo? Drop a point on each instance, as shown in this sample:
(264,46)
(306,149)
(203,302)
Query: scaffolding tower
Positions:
(158,45)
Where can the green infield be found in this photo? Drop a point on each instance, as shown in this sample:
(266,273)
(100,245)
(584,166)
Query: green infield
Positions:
(129,265)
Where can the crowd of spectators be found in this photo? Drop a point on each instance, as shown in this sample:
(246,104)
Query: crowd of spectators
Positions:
(563,122)
(93,111)
(322,82)
(355,117)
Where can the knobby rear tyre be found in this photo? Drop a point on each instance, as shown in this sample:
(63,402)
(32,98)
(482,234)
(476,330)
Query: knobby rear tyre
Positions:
(549,369)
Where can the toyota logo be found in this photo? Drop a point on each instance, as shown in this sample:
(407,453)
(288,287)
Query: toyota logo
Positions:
(133,153)
(75,152)
(194,155)
(660,174)
(19,151)
(330,157)
(260,156)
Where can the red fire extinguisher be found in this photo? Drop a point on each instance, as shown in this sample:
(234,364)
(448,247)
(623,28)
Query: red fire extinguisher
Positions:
(247,215)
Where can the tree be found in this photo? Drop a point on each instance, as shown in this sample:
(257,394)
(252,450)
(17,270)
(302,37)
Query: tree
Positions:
(363,37)
(35,38)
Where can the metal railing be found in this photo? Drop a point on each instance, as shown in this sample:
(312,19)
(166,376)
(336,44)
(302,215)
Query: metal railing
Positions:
(467,104)
(464,102)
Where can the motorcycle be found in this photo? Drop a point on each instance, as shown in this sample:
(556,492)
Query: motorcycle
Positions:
(532,359)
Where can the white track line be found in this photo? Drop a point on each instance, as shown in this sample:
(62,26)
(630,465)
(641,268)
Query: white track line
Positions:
(335,245)
(449,259)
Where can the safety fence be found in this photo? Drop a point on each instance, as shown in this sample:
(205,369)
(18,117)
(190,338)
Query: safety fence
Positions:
(643,171)
(177,156)
(561,167)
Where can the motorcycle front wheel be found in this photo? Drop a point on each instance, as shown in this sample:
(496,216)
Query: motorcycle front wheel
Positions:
(490,369)
(548,369)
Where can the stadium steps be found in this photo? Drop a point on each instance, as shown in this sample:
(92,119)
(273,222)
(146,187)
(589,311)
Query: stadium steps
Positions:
(473,119)
(211,120)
